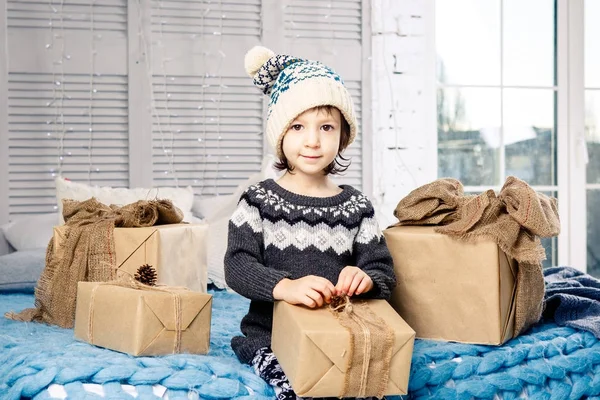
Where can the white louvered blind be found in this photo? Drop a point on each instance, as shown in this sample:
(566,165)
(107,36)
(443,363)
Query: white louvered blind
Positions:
(67,94)
(324,20)
(331,32)
(207,127)
(82,100)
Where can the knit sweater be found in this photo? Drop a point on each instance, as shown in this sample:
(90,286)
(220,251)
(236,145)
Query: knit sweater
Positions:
(276,234)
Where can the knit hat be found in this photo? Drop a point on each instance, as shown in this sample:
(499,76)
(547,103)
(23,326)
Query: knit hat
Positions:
(294,86)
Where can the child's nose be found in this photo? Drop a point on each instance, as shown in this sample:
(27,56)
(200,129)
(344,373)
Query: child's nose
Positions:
(313,138)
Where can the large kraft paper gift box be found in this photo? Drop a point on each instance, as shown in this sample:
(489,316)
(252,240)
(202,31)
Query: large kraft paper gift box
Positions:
(316,351)
(143,322)
(450,289)
(176,251)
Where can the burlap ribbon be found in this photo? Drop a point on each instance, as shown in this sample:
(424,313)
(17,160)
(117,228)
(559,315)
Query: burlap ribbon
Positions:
(87,254)
(371,347)
(516,218)
(130,283)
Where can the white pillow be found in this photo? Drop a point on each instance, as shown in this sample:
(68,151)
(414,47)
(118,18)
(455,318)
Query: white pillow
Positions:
(216,211)
(30,232)
(65,189)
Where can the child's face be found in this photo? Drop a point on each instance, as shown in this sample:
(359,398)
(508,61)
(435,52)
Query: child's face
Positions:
(312,141)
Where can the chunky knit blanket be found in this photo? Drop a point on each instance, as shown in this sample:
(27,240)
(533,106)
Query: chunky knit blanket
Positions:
(548,362)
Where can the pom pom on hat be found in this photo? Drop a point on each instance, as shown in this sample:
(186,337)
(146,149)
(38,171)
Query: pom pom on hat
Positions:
(255,58)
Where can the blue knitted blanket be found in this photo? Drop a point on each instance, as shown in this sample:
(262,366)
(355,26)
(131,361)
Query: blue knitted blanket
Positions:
(36,355)
(550,362)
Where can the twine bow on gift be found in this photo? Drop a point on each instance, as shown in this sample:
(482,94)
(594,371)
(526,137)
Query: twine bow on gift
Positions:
(515,219)
(370,350)
(127,281)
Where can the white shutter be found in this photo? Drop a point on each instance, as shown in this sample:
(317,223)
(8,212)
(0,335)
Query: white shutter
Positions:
(207,124)
(324,20)
(161,85)
(332,32)
(62,99)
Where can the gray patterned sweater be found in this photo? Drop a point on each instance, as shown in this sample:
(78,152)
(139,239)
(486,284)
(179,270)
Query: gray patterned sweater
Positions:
(276,234)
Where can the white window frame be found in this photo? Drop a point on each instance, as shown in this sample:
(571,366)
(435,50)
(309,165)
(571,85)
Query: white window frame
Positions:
(570,132)
(571,107)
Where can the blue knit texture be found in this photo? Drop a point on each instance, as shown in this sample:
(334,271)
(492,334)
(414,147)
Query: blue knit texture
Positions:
(298,72)
(550,362)
(36,355)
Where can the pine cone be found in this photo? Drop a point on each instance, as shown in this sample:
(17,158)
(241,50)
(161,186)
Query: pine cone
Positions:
(146,274)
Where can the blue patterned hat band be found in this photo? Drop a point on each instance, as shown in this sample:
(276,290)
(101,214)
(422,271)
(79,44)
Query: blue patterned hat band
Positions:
(266,76)
(296,85)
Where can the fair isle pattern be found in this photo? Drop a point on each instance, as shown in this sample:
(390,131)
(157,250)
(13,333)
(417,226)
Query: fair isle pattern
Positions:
(284,233)
(369,230)
(356,204)
(267,74)
(247,214)
(297,73)
(301,235)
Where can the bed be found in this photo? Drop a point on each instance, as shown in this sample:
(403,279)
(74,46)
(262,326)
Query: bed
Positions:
(42,362)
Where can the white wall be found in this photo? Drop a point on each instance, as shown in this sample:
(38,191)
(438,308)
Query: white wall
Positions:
(404,126)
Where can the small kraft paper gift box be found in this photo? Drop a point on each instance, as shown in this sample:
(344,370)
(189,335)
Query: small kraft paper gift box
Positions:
(450,289)
(361,351)
(176,251)
(143,322)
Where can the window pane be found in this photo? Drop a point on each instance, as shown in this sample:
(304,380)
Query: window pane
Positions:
(593,232)
(529,135)
(592,127)
(592,44)
(528,42)
(468,127)
(468,41)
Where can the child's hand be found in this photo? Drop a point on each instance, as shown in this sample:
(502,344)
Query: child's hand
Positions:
(311,291)
(353,280)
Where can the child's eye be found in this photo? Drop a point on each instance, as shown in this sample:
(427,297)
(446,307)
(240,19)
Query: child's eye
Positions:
(327,128)
(296,127)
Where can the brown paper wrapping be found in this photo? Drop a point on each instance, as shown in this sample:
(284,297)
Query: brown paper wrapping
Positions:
(142,322)
(176,251)
(450,289)
(313,349)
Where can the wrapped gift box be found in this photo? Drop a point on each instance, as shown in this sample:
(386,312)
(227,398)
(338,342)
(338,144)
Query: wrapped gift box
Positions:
(452,290)
(313,348)
(143,322)
(177,252)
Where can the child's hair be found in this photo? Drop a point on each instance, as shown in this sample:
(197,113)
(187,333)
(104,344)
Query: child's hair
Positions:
(339,164)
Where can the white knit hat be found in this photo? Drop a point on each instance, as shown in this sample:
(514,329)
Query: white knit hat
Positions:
(294,86)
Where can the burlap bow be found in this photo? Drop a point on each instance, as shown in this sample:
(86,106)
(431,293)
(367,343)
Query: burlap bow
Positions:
(371,346)
(88,253)
(516,219)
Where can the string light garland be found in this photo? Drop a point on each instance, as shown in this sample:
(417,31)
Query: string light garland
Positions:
(168,152)
(92,91)
(202,106)
(57,130)
(60,62)
(219,98)
(149,76)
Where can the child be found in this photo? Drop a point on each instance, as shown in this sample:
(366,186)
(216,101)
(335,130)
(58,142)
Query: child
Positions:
(301,239)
